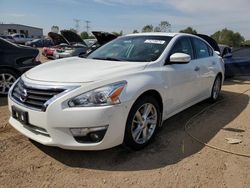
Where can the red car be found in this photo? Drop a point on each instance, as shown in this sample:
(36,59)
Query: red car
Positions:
(59,42)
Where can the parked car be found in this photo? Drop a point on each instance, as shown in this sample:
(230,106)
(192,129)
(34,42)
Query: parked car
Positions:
(225,50)
(74,50)
(40,43)
(210,41)
(8,38)
(20,38)
(90,42)
(15,60)
(59,43)
(76,46)
(120,93)
(237,63)
(101,39)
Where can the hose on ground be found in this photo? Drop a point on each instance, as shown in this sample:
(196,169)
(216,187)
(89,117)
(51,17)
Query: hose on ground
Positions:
(188,123)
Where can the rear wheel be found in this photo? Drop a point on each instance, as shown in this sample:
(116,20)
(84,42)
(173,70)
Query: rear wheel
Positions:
(142,122)
(216,88)
(7,79)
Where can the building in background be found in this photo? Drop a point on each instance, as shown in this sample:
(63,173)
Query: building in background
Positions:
(34,32)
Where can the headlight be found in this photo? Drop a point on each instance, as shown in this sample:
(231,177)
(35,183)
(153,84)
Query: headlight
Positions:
(107,95)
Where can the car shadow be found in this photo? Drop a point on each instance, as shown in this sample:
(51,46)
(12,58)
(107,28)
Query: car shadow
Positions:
(170,146)
(3,101)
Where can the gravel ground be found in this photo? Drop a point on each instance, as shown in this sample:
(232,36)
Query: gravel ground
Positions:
(172,160)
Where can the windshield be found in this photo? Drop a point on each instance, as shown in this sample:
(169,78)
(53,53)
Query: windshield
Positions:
(132,48)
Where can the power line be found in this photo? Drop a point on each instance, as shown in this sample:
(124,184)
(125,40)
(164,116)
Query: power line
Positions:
(77,25)
(87,25)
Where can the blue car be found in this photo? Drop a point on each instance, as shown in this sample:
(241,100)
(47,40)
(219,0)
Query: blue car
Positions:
(237,63)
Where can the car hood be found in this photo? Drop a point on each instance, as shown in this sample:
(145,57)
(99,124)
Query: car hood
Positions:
(72,37)
(103,37)
(57,38)
(80,70)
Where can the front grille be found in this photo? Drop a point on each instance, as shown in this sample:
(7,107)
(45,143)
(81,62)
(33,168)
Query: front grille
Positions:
(33,97)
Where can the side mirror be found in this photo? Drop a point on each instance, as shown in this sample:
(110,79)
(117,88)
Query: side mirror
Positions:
(218,53)
(228,55)
(180,58)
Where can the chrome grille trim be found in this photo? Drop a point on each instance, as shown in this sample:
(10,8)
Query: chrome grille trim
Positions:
(38,96)
(37,130)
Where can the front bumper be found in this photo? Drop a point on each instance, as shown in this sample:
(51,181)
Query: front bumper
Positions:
(57,121)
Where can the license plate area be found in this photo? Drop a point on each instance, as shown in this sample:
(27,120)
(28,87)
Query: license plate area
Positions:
(20,115)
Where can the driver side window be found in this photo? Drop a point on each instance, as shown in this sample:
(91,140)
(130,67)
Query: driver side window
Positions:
(183,45)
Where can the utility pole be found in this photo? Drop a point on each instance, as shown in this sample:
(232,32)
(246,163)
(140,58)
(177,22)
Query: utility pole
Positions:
(87,25)
(77,25)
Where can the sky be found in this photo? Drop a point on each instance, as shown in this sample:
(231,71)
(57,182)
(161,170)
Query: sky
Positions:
(205,16)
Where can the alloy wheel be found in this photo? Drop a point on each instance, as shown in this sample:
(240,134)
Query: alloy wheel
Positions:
(216,88)
(6,81)
(144,123)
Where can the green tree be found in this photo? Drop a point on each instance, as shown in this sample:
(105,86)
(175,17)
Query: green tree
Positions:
(121,33)
(247,42)
(228,37)
(147,28)
(189,30)
(135,31)
(157,29)
(55,28)
(116,33)
(164,26)
(84,35)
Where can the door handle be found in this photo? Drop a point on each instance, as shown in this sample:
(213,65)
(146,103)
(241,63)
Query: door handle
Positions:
(196,69)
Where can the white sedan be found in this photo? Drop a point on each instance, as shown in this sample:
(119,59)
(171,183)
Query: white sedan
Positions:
(120,94)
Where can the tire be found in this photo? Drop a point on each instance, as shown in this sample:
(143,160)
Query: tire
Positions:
(140,132)
(7,79)
(216,88)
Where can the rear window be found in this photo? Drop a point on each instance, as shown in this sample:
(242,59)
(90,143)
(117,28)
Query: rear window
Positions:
(202,50)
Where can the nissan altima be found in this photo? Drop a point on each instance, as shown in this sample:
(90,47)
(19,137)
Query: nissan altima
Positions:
(120,94)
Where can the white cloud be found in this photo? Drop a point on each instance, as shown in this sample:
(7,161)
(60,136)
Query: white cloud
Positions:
(205,16)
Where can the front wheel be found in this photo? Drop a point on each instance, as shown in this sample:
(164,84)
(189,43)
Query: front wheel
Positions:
(216,88)
(143,120)
(7,79)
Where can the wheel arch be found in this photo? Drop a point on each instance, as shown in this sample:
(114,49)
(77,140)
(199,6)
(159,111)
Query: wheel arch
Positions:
(155,94)
(11,68)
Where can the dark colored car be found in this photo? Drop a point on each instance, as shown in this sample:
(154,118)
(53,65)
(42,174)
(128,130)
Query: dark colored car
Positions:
(101,39)
(76,46)
(15,60)
(238,62)
(8,38)
(40,43)
(225,50)
(210,41)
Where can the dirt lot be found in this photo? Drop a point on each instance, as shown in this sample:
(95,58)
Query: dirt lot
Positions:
(172,160)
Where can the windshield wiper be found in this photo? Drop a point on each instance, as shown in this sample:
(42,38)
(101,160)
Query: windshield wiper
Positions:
(107,58)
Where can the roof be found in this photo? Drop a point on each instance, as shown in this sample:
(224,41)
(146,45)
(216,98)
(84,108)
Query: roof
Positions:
(20,25)
(154,34)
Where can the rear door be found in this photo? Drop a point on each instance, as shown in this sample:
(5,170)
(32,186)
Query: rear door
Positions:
(182,87)
(205,65)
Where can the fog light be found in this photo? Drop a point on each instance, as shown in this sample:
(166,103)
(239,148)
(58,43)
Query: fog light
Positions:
(89,135)
(79,131)
(95,137)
